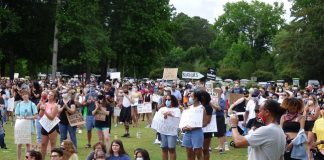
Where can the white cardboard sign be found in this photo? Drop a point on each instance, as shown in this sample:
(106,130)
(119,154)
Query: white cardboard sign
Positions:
(192,117)
(212,126)
(166,126)
(48,124)
(144,108)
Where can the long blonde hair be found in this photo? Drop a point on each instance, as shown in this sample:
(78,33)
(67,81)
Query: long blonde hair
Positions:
(68,149)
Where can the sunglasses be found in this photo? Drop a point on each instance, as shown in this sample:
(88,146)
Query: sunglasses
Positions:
(167,99)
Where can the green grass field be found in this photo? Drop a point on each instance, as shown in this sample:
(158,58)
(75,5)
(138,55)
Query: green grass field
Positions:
(146,141)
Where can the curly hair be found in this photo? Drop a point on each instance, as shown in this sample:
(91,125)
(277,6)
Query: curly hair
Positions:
(292,105)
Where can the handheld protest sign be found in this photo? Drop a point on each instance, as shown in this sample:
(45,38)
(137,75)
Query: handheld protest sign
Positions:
(75,118)
(234,97)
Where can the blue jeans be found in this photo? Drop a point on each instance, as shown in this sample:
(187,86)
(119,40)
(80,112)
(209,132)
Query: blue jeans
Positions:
(72,132)
(2,142)
(38,131)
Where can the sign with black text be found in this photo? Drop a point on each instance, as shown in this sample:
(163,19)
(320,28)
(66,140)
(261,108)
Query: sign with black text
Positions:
(211,74)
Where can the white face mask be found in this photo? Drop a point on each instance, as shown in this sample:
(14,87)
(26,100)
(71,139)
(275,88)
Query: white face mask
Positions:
(139,158)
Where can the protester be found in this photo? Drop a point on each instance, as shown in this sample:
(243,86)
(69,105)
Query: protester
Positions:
(56,154)
(267,142)
(205,101)
(194,137)
(69,152)
(147,100)
(293,124)
(136,98)
(317,138)
(125,113)
(25,110)
(311,112)
(99,146)
(2,131)
(33,155)
(90,102)
(50,110)
(141,154)
(117,151)
(169,141)
(102,114)
(219,106)
(66,107)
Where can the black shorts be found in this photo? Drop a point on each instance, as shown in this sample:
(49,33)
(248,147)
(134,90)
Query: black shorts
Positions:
(125,114)
(221,126)
(45,133)
(309,125)
(208,135)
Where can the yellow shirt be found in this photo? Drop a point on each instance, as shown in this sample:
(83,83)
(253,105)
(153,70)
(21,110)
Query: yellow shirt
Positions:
(318,129)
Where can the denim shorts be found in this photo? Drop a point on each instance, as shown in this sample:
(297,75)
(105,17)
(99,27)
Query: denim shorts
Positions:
(90,122)
(102,128)
(168,141)
(193,139)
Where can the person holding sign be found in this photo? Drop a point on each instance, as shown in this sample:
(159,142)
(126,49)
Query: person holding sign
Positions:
(102,114)
(205,101)
(50,110)
(191,123)
(169,140)
(66,107)
(25,112)
(136,97)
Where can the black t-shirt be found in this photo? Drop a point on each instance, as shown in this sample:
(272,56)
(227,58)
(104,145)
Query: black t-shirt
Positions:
(62,116)
(107,122)
(33,98)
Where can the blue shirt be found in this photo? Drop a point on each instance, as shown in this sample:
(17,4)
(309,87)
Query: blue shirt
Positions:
(25,109)
(221,103)
(121,157)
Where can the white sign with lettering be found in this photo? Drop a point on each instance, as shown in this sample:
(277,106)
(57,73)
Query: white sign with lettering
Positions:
(47,124)
(212,126)
(192,117)
(166,126)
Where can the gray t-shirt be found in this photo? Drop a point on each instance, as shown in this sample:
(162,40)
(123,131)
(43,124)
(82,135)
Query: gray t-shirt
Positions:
(267,143)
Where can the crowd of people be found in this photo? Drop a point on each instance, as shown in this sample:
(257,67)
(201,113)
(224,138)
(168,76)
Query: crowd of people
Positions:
(273,121)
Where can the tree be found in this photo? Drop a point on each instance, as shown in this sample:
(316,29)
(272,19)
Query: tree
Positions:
(299,48)
(141,33)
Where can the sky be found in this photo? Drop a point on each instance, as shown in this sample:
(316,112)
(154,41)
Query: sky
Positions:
(210,9)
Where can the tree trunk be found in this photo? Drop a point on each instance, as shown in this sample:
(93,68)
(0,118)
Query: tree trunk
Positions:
(11,65)
(55,46)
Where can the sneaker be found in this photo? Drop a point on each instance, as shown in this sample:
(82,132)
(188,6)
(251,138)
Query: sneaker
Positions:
(217,148)
(88,146)
(126,135)
(157,141)
(148,126)
(116,125)
(79,131)
(221,151)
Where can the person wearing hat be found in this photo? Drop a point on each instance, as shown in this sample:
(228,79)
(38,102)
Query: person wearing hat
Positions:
(267,142)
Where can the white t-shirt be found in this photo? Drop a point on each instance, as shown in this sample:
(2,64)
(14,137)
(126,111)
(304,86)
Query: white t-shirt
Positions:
(126,103)
(267,143)
(250,106)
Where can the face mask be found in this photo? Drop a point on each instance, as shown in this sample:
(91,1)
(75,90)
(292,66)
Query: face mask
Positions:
(191,101)
(280,90)
(261,118)
(139,158)
(168,103)
(299,97)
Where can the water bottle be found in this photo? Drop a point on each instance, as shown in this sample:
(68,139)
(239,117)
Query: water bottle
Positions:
(226,146)
(139,133)
(115,136)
